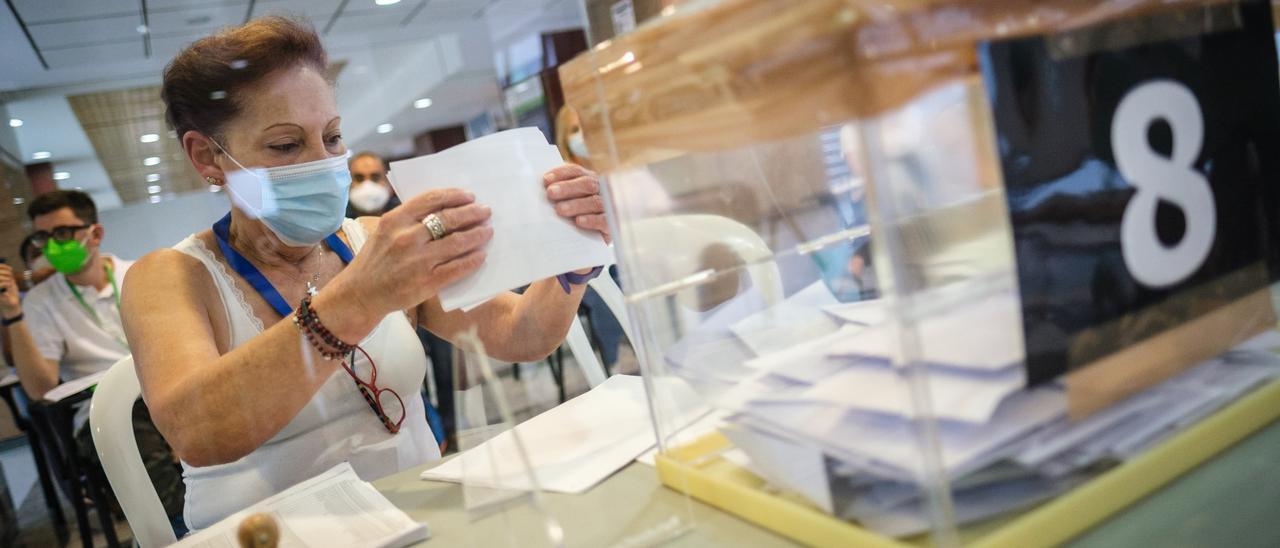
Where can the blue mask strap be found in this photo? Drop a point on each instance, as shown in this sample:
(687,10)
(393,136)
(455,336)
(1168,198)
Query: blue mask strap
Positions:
(251,274)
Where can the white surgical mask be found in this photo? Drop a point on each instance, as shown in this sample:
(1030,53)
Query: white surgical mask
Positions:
(370,197)
(302,204)
(578,145)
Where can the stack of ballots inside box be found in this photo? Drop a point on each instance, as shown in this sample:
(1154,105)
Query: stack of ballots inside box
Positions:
(814,392)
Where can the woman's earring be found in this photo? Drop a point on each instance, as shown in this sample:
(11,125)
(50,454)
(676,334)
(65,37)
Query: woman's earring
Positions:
(212,181)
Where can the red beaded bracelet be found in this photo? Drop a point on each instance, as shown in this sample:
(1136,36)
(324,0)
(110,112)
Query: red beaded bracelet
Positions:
(324,341)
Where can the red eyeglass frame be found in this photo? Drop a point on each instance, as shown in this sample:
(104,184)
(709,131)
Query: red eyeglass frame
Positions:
(372,393)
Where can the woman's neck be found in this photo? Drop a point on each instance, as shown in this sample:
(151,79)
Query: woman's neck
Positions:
(257,243)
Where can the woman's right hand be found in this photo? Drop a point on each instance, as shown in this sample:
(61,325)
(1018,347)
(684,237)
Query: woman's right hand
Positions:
(400,266)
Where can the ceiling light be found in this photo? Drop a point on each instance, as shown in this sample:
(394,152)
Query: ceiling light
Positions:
(19,201)
(151,161)
(153,189)
(153,177)
(422,103)
(41,155)
(386,2)
(14,122)
(149,137)
(155,199)
(384,128)
(61,175)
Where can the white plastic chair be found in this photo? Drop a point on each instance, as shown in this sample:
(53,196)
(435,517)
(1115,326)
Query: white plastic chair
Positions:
(111,422)
(678,241)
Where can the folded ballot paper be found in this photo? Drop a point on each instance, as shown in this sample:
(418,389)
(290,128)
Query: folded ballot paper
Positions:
(530,241)
(824,412)
(335,508)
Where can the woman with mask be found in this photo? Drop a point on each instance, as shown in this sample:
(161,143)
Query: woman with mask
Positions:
(281,342)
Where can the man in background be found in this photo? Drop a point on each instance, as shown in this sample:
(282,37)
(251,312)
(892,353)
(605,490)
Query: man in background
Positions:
(69,326)
(371,193)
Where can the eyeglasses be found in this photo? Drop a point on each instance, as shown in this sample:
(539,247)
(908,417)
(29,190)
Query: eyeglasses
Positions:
(60,233)
(385,402)
(361,177)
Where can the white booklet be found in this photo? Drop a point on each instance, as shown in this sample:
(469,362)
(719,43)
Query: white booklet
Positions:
(335,508)
(530,241)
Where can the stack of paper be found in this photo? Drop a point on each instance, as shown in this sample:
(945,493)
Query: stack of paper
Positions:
(573,446)
(824,411)
(530,241)
(335,508)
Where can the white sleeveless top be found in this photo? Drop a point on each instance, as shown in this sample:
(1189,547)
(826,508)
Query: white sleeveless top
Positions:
(336,425)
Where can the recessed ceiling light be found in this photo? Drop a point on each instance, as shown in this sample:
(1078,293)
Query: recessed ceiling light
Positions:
(149,137)
(153,189)
(422,103)
(14,122)
(386,2)
(384,128)
(19,201)
(155,199)
(151,161)
(61,175)
(41,155)
(153,177)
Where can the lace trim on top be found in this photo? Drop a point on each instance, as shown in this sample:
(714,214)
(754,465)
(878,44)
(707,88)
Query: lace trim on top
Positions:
(222,272)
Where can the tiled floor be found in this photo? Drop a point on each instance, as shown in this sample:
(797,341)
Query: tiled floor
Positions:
(533,393)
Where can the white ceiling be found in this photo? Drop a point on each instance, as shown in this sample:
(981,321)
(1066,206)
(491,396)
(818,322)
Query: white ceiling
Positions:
(442,49)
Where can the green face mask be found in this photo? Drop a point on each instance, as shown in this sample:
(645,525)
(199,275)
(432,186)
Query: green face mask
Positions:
(66,257)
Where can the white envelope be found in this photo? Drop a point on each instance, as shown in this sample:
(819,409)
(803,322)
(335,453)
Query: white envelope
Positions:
(530,241)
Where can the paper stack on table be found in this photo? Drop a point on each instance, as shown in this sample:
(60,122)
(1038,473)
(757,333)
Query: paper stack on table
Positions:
(572,446)
(530,241)
(834,393)
(335,508)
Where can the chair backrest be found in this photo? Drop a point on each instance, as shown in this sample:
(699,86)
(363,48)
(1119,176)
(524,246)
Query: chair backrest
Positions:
(677,243)
(111,422)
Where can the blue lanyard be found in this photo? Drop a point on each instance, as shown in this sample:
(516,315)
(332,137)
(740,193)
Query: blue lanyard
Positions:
(251,274)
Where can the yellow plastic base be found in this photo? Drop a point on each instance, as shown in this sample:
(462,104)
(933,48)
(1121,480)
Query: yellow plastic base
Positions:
(692,469)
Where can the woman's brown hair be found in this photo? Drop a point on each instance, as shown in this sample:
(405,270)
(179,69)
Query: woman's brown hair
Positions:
(203,82)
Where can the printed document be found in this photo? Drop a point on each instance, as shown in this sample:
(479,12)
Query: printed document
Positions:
(336,508)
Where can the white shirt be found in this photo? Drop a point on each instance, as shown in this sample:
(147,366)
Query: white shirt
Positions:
(65,332)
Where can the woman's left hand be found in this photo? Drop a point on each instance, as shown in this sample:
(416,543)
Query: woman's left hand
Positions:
(575,193)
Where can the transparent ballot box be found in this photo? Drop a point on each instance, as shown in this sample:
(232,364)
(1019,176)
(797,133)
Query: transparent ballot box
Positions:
(942,272)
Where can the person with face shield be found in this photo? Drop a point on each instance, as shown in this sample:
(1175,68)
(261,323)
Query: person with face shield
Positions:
(280,342)
(70,326)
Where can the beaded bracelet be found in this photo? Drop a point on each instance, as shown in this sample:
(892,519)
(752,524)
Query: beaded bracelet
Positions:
(307,321)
